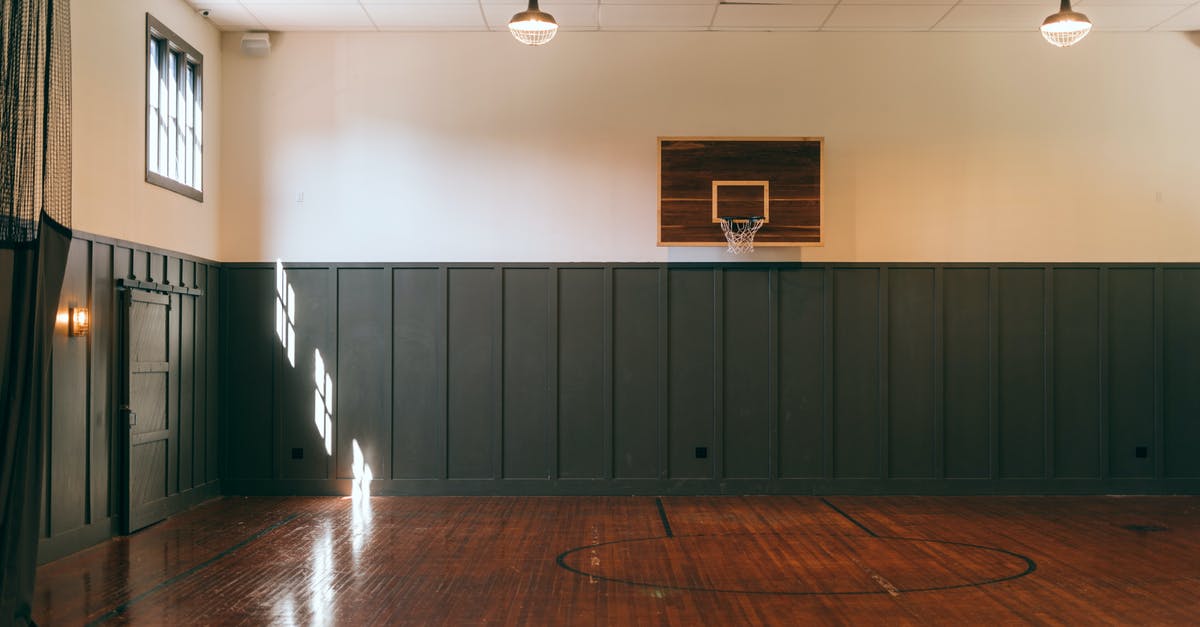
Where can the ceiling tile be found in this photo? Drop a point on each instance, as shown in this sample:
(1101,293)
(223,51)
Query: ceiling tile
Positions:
(1046,6)
(231,17)
(1175,3)
(548,6)
(994,18)
(655,17)
(1127,17)
(906,17)
(896,2)
(311,16)
(371,2)
(568,16)
(250,4)
(448,16)
(771,16)
(1187,20)
(657,2)
(780,2)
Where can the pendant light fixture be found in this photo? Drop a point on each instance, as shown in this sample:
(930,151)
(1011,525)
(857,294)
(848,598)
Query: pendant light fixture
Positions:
(1066,27)
(533,27)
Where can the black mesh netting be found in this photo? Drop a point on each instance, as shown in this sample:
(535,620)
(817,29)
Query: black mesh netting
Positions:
(35,116)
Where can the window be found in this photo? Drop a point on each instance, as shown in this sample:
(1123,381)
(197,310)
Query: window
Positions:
(174,112)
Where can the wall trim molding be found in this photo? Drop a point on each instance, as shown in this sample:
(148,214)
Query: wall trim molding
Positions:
(728,487)
(64,544)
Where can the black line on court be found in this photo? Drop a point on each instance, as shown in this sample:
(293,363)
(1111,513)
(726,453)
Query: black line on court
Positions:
(121,609)
(1030,567)
(662,513)
(849,518)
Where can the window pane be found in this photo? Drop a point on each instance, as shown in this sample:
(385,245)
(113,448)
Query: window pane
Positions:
(198,158)
(173,129)
(188,114)
(152,106)
(164,112)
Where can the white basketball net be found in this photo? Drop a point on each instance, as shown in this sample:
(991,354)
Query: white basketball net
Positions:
(739,232)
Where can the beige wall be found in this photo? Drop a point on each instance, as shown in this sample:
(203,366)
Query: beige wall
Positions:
(108,68)
(939,147)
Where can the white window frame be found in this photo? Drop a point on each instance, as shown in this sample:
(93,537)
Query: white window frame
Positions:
(179,129)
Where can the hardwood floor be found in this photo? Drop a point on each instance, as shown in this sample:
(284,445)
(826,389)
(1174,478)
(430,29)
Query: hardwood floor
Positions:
(641,560)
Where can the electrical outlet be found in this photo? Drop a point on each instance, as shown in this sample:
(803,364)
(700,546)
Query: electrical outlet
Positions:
(701,452)
(297,453)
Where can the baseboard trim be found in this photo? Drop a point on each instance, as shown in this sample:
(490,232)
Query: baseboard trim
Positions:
(696,487)
(80,538)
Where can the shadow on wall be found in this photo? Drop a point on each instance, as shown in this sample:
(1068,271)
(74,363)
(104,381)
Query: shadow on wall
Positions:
(1194,37)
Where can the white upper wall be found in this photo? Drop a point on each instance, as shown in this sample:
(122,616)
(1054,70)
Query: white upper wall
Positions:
(939,147)
(108,66)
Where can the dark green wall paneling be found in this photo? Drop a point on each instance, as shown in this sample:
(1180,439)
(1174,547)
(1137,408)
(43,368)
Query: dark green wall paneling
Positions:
(213,355)
(297,385)
(856,431)
(746,449)
(363,379)
(249,331)
(638,403)
(967,371)
(801,355)
(186,351)
(1076,360)
(1022,393)
(1181,372)
(68,469)
(102,398)
(84,445)
(473,348)
(419,362)
(913,378)
(691,359)
(527,400)
(1130,376)
(583,404)
(910,372)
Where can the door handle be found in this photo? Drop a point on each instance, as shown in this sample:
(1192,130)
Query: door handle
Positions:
(130,415)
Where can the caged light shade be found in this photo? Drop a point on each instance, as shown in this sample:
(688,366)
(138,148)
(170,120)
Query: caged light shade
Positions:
(1066,27)
(533,27)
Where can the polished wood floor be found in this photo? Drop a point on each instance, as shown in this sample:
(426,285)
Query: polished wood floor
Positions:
(643,561)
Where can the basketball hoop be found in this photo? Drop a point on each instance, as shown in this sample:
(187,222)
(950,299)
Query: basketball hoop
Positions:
(740,231)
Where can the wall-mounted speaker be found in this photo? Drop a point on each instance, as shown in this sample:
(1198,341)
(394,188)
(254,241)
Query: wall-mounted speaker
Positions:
(256,44)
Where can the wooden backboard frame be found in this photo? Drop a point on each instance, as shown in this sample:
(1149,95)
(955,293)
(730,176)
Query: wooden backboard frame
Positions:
(719,240)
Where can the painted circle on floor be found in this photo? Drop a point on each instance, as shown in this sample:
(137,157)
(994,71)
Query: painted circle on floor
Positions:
(796,564)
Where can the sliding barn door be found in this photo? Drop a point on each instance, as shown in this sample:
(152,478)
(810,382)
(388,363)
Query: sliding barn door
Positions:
(146,399)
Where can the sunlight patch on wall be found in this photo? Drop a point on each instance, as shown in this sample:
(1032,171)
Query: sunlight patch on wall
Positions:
(285,312)
(361,490)
(323,401)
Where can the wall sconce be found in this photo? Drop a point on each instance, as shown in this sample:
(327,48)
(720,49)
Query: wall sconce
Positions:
(80,321)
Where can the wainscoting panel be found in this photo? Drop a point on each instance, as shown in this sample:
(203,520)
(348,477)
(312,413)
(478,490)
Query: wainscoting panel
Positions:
(717,378)
(84,476)
(638,373)
(584,380)
(419,371)
(363,379)
(1130,380)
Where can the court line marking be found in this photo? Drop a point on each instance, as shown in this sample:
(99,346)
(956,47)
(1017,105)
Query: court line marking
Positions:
(122,608)
(662,514)
(1030,567)
(849,518)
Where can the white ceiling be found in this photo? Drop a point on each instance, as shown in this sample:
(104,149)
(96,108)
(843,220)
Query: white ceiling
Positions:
(674,15)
